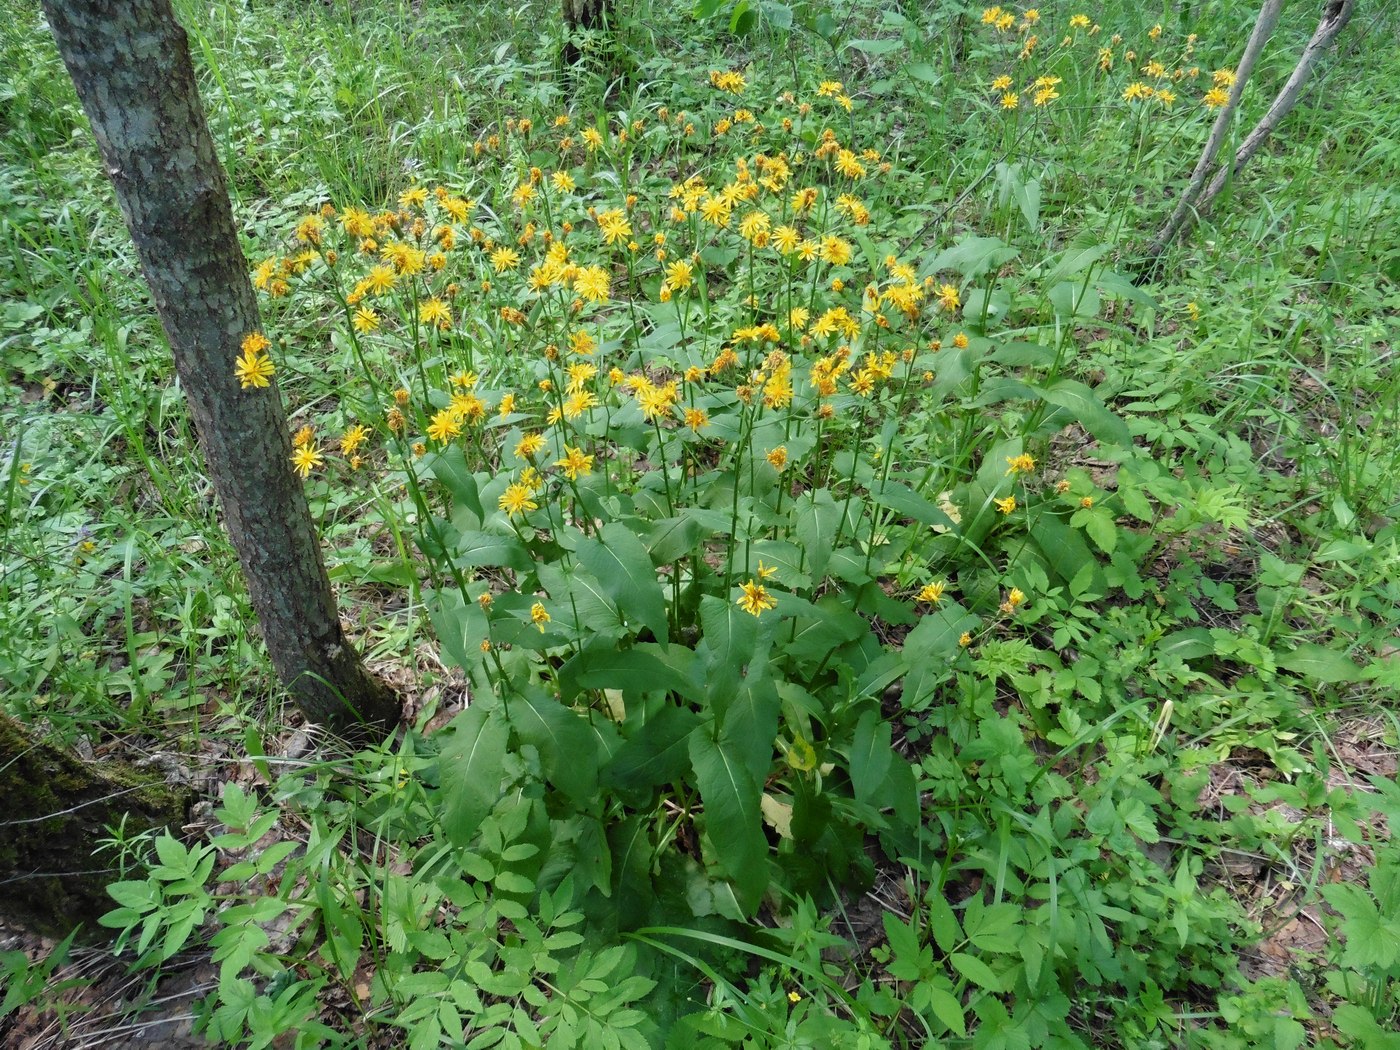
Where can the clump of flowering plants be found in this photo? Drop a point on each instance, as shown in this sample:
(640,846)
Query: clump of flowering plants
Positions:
(706,475)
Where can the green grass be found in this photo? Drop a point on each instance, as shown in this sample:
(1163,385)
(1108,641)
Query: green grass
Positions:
(1078,829)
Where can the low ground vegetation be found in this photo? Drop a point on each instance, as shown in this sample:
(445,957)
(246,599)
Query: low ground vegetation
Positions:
(839,601)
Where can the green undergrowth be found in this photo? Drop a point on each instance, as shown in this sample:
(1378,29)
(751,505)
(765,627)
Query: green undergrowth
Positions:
(886,618)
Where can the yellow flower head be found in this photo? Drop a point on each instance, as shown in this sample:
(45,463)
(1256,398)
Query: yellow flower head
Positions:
(516,499)
(1022,464)
(305,459)
(931,592)
(575,463)
(539,616)
(755,599)
(1007,505)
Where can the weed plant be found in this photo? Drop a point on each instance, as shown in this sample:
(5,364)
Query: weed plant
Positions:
(814,511)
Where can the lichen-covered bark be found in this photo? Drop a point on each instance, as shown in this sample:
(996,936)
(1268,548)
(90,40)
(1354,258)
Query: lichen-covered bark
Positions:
(130,61)
(54,809)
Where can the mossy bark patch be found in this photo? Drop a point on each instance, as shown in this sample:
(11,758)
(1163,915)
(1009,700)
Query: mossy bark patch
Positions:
(54,810)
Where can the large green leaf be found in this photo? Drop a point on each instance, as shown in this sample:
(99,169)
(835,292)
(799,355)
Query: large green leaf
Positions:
(1088,410)
(730,637)
(672,538)
(490,550)
(622,565)
(633,671)
(460,626)
(657,754)
(733,820)
(472,764)
(817,520)
(585,597)
(450,467)
(905,501)
(563,740)
(870,757)
(1318,662)
(750,724)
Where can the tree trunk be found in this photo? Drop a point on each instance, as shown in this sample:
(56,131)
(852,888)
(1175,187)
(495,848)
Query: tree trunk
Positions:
(49,881)
(131,64)
(582,14)
(1197,198)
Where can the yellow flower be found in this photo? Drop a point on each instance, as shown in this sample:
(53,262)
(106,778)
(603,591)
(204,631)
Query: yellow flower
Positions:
(592,138)
(1022,464)
(1014,600)
(575,463)
(305,459)
(931,592)
(964,639)
(446,424)
(353,439)
(695,418)
(1215,98)
(503,259)
(435,312)
(381,279)
(1007,505)
(303,437)
(529,446)
(593,283)
(366,320)
(539,617)
(1002,83)
(778,457)
(563,181)
(253,370)
(755,599)
(516,500)
(679,275)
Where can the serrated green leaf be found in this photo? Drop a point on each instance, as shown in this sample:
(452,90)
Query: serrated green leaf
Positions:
(976,971)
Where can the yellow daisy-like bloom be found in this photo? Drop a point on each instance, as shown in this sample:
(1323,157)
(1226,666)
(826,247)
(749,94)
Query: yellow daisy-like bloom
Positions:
(352,439)
(835,251)
(964,639)
(679,275)
(755,599)
(695,418)
(614,225)
(305,459)
(778,457)
(563,181)
(516,499)
(303,437)
(592,138)
(575,463)
(446,425)
(381,279)
(529,446)
(539,616)
(1215,98)
(366,320)
(1007,505)
(503,259)
(1014,600)
(593,284)
(931,592)
(436,313)
(1022,464)
(253,370)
